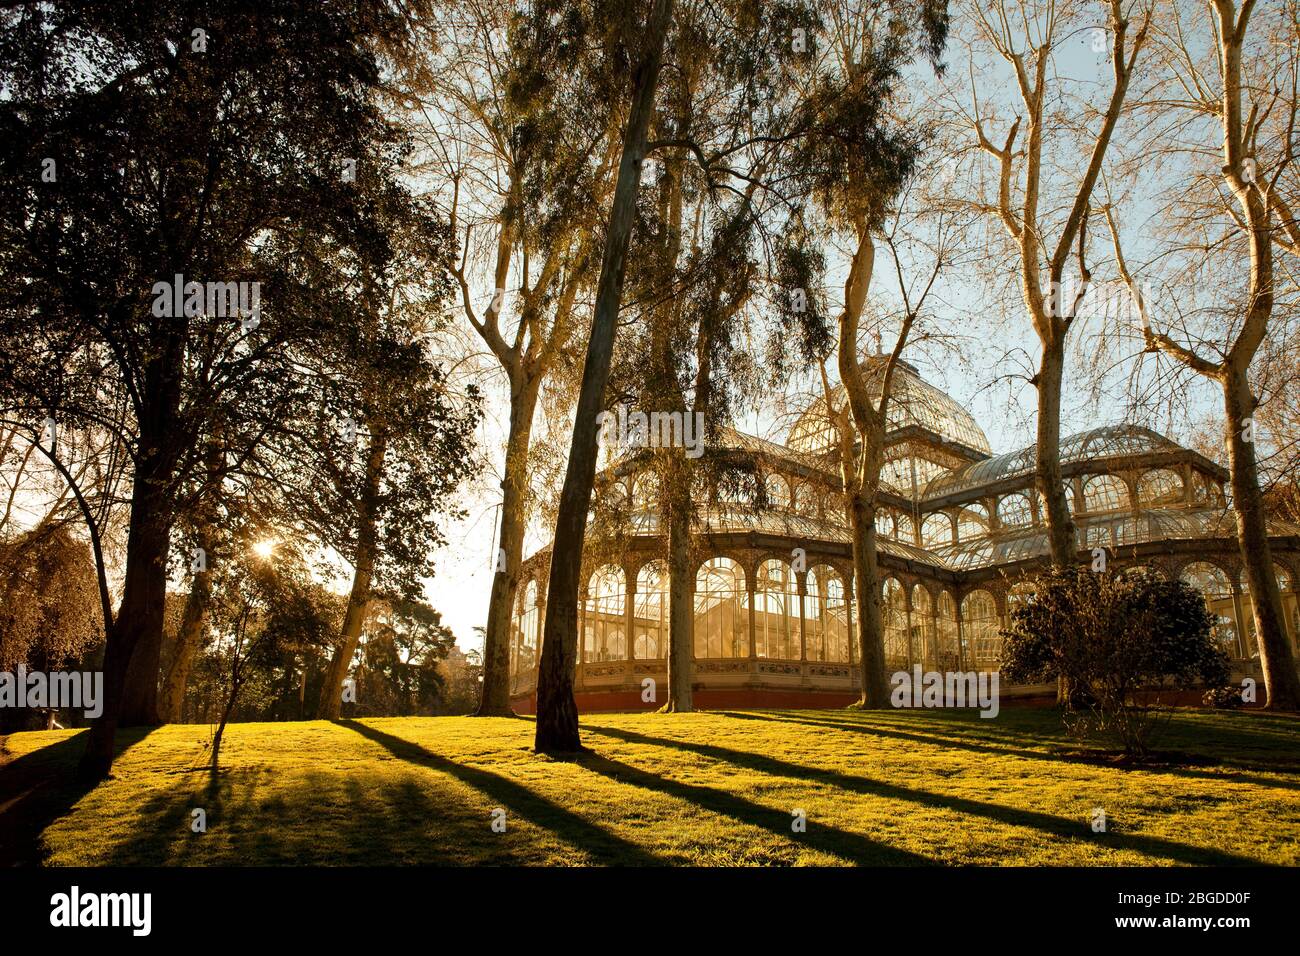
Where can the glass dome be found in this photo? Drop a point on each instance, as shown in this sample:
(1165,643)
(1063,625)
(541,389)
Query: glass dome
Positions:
(913,402)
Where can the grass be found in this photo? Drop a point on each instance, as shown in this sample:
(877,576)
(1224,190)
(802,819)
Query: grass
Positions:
(913,787)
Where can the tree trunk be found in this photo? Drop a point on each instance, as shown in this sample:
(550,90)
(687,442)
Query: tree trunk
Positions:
(221,727)
(557,711)
(144,591)
(1060,526)
(680,616)
(495,700)
(866,577)
(1276,660)
(330,704)
(188,641)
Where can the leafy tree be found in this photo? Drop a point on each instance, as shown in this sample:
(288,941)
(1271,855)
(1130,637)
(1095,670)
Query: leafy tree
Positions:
(157,139)
(399,673)
(1114,637)
(49,601)
(262,605)
(623,36)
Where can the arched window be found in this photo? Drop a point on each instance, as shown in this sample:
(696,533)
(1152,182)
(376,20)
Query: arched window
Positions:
(972,522)
(1290,602)
(721,627)
(778,492)
(923,650)
(1217,591)
(1015,511)
(650,612)
(893,617)
(1205,490)
(885,523)
(1105,493)
(1020,592)
(776,612)
(523,649)
(980,626)
(1068,488)
(603,619)
(936,530)
(906,528)
(805,501)
(945,633)
(826,616)
(1290,612)
(1158,487)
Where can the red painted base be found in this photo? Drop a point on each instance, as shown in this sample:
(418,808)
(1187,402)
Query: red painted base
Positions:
(737,699)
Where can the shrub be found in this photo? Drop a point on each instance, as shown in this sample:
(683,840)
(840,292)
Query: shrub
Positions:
(1111,635)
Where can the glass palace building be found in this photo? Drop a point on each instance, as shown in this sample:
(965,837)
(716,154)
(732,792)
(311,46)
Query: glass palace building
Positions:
(959,528)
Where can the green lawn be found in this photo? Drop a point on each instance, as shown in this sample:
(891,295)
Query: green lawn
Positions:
(909,787)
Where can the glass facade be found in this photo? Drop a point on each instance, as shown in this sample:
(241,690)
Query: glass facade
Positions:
(957,531)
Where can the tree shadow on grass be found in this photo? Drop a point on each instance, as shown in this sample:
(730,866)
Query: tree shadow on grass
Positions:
(1233,771)
(38,788)
(600,843)
(1013,816)
(842,843)
(327,820)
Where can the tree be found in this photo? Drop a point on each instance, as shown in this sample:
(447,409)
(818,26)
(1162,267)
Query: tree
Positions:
(262,601)
(369,468)
(141,149)
(49,602)
(1248,223)
(857,161)
(400,668)
(1112,636)
(530,165)
(1028,39)
(557,712)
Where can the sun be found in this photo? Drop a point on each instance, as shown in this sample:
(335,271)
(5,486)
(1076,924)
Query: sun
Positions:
(264,549)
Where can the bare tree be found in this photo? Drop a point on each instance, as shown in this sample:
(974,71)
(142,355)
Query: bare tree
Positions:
(1237,100)
(1026,35)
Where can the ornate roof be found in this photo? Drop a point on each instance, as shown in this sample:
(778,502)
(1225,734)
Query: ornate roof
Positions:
(1096,444)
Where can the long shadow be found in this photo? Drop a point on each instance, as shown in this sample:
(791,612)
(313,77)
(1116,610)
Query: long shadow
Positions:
(38,788)
(580,832)
(937,741)
(1030,819)
(385,826)
(1233,771)
(841,843)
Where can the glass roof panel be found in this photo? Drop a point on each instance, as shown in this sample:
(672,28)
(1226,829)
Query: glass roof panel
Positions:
(913,402)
